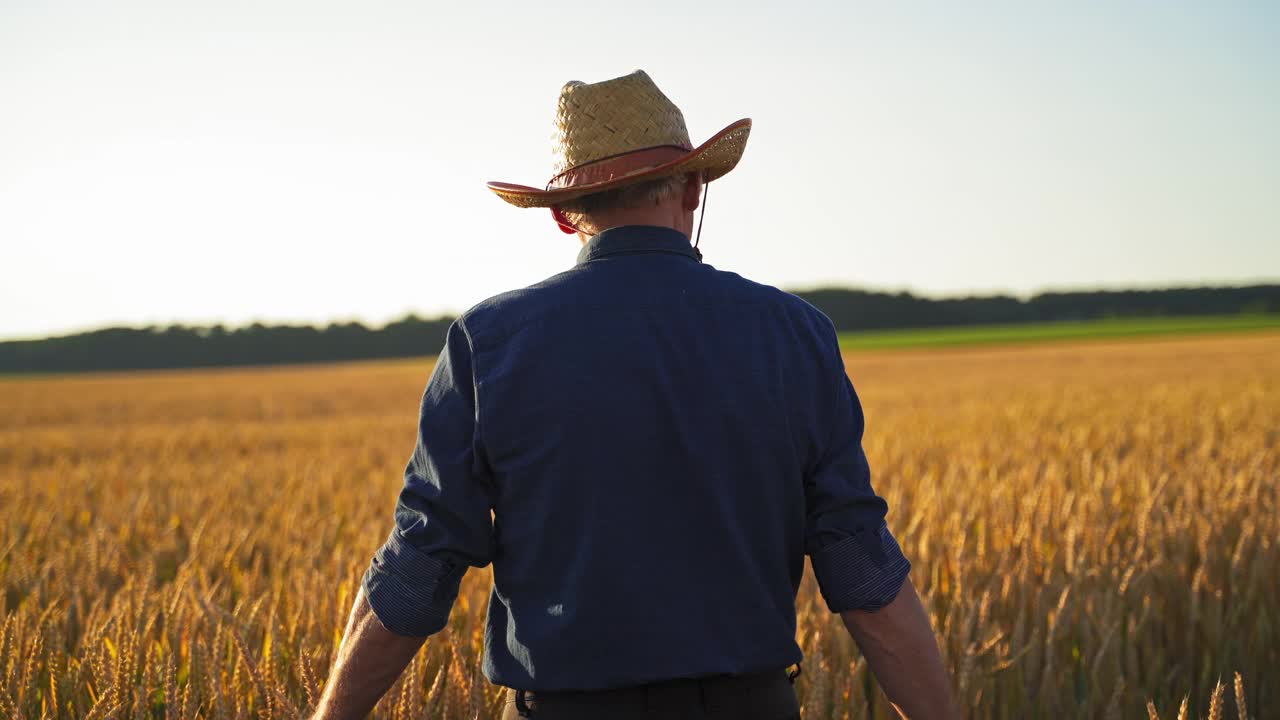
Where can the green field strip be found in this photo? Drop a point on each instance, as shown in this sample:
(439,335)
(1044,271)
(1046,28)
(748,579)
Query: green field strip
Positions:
(1110,328)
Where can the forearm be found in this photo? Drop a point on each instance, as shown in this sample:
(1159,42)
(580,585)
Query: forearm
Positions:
(370,659)
(900,646)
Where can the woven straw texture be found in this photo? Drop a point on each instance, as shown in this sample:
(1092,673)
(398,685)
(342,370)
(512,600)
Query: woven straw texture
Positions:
(599,122)
(609,118)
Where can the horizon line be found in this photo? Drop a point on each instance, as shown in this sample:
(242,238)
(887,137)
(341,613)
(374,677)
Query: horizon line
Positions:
(450,314)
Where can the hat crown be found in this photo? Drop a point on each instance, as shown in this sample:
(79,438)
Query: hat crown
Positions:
(595,121)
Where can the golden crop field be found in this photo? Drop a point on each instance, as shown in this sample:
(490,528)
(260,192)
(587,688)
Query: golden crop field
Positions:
(1092,526)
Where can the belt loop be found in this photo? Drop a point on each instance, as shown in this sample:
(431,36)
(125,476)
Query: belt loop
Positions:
(522,707)
(793,674)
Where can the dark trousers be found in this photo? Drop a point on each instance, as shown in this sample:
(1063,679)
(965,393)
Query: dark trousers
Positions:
(761,696)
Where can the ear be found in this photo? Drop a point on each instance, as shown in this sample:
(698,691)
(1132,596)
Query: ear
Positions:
(692,193)
(566,227)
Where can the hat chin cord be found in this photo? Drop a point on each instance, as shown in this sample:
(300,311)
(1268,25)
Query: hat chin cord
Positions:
(702,214)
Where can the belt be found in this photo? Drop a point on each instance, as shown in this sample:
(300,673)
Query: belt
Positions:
(766,692)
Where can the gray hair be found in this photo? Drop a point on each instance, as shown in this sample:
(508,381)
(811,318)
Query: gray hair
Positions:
(650,193)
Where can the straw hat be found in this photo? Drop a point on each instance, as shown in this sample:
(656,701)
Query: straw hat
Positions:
(621,132)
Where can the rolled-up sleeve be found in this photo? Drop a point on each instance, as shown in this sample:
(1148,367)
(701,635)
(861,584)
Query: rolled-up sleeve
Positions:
(857,561)
(443,522)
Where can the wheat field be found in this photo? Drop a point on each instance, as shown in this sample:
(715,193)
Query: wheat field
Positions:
(1093,527)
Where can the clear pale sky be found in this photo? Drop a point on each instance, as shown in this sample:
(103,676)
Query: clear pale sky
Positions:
(230,161)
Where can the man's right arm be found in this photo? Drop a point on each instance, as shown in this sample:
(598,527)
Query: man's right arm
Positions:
(899,644)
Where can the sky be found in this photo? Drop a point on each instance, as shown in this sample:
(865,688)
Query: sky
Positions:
(241,161)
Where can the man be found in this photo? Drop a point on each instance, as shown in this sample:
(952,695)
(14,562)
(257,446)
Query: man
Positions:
(645,448)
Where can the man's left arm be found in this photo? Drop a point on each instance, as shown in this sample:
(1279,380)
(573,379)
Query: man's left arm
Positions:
(442,526)
(370,659)
(862,572)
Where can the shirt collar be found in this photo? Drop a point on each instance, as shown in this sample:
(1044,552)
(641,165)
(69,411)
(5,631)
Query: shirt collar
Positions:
(634,239)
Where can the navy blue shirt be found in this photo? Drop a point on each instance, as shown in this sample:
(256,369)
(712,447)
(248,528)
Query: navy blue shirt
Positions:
(645,448)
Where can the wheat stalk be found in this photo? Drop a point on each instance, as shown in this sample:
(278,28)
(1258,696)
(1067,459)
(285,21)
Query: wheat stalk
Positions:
(1241,708)
(1215,701)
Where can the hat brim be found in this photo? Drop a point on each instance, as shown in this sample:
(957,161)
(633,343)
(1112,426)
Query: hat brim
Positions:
(713,158)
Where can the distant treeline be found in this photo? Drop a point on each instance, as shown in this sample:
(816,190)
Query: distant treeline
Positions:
(862,310)
(180,346)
